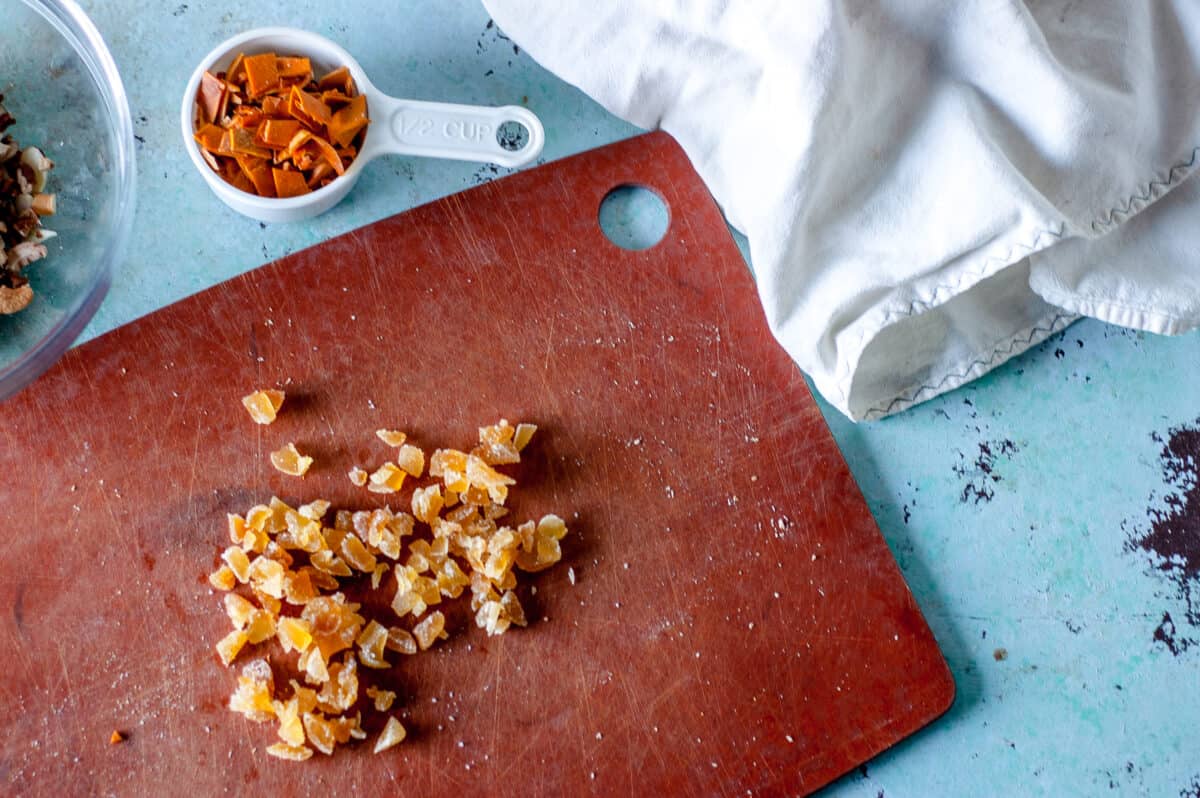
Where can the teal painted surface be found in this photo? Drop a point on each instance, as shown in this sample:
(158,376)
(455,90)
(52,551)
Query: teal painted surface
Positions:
(633,217)
(1022,545)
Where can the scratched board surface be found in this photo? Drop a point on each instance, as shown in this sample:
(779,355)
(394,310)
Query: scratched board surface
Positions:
(736,622)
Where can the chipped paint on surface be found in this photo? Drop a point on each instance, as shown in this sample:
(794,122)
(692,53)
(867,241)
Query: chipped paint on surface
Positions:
(980,476)
(1172,538)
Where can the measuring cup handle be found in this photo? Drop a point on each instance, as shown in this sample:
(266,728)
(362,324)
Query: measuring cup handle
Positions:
(449,130)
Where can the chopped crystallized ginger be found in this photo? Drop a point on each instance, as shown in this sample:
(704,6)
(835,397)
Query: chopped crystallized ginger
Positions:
(427,503)
(414,592)
(268,603)
(257,518)
(490,617)
(315,509)
(263,405)
(393,733)
(290,461)
(386,479)
(356,555)
(358,476)
(496,444)
(312,662)
(383,698)
(237,528)
(238,562)
(253,695)
(222,578)
(239,610)
(288,556)
(401,640)
(495,616)
(295,634)
(451,580)
(411,460)
(117,737)
(229,646)
(335,623)
(512,608)
(266,576)
(347,728)
(500,432)
(320,732)
(450,465)
(430,629)
(319,579)
(328,562)
(306,697)
(523,435)
(540,550)
(260,627)
(371,643)
(482,475)
(298,753)
(291,727)
(299,587)
(392,437)
(341,690)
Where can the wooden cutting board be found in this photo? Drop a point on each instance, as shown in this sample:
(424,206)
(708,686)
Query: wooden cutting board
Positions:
(737,624)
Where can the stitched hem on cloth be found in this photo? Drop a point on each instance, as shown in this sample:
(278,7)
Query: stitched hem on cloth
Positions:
(967,277)
(1140,199)
(1074,306)
(1122,314)
(1004,350)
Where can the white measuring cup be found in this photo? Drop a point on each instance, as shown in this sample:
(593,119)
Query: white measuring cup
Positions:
(399,127)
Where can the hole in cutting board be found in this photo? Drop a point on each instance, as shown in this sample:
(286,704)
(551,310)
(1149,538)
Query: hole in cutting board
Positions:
(512,136)
(634,217)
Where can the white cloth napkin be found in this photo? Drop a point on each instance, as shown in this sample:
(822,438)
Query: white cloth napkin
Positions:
(929,187)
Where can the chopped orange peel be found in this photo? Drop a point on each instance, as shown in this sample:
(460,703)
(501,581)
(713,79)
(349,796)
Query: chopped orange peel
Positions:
(262,73)
(288,183)
(301,132)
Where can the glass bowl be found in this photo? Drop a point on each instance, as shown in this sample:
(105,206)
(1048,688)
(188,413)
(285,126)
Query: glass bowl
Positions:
(60,84)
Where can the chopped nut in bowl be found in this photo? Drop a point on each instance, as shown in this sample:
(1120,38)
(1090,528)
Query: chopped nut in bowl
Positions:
(67,162)
(23,203)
